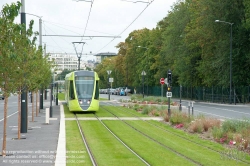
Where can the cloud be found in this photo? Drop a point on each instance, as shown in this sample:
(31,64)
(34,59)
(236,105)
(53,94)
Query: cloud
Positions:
(106,17)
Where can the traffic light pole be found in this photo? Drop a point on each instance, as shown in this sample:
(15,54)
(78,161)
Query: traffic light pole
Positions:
(169,111)
(169,90)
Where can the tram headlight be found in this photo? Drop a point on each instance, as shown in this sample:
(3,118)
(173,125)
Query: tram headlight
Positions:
(88,102)
(80,101)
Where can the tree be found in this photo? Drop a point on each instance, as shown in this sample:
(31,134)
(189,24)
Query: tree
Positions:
(18,59)
(8,59)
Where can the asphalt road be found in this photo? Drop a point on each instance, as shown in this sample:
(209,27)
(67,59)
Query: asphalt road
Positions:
(221,111)
(12,107)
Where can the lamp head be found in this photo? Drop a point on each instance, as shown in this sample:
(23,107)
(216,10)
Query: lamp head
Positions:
(217,21)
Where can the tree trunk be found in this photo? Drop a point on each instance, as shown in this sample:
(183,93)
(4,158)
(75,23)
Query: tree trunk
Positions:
(37,103)
(5,126)
(19,116)
(32,95)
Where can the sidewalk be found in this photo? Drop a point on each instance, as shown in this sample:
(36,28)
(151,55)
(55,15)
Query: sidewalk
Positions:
(37,147)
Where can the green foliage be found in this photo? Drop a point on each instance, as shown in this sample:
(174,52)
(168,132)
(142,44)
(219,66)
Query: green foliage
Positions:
(21,63)
(146,110)
(217,133)
(195,47)
(178,117)
(235,125)
(61,96)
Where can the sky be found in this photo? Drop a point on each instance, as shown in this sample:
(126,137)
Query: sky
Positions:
(99,21)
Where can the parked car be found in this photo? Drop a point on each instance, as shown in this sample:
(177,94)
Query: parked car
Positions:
(122,92)
(117,91)
(101,91)
(112,91)
(127,91)
(1,96)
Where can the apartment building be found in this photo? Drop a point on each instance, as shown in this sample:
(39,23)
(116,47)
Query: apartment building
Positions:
(66,61)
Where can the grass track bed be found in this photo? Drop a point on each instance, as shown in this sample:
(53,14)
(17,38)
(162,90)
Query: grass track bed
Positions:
(193,137)
(106,148)
(100,113)
(152,152)
(74,144)
(194,151)
(123,111)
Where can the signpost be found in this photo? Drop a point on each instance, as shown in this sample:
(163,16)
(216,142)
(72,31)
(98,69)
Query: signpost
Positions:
(162,81)
(111,80)
(169,90)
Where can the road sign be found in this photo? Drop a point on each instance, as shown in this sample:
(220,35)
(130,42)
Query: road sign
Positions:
(162,81)
(111,79)
(166,81)
(169,94)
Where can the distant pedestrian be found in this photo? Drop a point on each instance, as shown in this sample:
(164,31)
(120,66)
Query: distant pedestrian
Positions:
(134,90)
(126,91)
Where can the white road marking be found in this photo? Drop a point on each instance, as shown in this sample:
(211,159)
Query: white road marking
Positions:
(9,116)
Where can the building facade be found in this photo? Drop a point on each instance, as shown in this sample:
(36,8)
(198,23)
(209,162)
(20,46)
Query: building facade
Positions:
(103,55)
(65,61)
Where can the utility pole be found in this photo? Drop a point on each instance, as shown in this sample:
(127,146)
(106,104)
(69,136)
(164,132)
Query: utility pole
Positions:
(40,45)
(24,123)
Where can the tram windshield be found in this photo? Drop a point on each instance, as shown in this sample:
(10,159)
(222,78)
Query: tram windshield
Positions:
(84,86)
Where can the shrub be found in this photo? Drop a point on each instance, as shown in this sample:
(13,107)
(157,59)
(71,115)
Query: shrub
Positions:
(145,110)
(217,133)
(235,125)
(166,117)
(154,113)
(178,117)
(209,123)
(196,126)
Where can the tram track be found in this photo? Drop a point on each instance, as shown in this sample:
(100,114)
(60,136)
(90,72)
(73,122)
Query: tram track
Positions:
(130,149)
(170,132)
(154,140)
(93,160)
(91,156)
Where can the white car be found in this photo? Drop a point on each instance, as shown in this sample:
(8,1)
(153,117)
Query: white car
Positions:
(112,91)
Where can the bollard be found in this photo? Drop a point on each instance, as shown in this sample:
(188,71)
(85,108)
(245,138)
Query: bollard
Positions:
(47,116)
(192,108)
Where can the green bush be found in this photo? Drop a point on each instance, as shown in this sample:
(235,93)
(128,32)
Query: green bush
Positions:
(146,110)
(217,133)
(235,125)
(136,107)
(178,117)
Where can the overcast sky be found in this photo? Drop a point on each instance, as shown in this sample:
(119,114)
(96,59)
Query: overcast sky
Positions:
(104,18)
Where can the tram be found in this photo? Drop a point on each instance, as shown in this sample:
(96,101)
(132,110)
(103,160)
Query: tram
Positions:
(82,91)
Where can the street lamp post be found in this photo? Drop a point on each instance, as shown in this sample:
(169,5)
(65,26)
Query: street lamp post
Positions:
(147,66)
(231,41)
(143,73)
(180,108)
(109,72)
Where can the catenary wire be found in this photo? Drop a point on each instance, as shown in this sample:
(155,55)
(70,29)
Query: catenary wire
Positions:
(52,38)
(127,26)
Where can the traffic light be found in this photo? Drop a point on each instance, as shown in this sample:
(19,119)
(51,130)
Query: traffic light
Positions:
(169,76)
(169,89)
